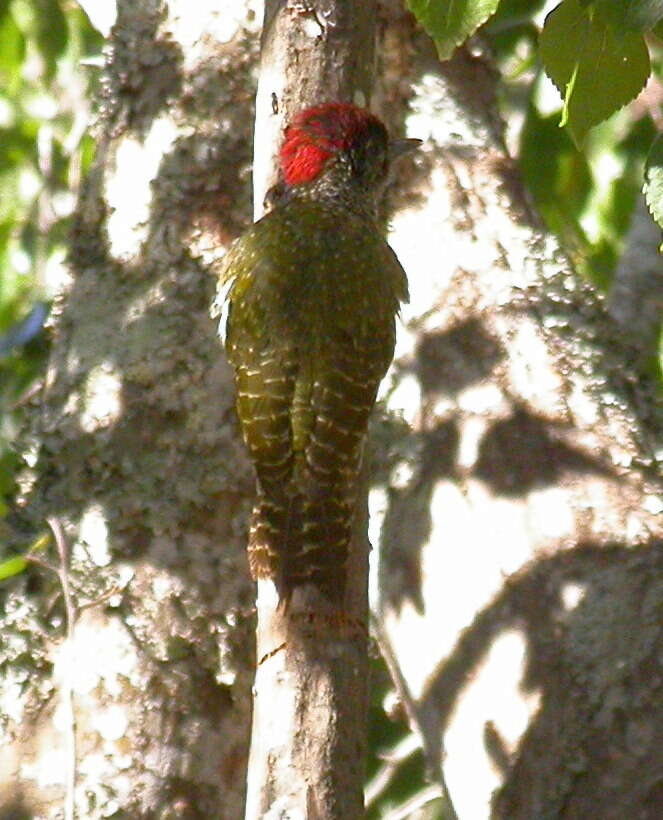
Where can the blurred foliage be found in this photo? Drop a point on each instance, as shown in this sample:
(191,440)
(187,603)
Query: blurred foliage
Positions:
(44,149)
(397,786)
(586,197)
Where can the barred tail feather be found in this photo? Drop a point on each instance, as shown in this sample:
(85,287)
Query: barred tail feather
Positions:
(301,541)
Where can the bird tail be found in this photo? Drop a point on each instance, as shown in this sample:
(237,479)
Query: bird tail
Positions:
(298,540)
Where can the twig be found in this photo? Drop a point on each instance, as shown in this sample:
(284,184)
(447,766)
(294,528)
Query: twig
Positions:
(105,596)
(71,615)
(413,712)
(392,760)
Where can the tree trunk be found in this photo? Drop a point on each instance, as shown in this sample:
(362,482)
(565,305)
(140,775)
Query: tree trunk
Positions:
(310,696)
(136,454)
(519,517)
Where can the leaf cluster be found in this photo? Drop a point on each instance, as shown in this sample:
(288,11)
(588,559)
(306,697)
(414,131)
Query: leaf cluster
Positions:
(594,51)
(586,158)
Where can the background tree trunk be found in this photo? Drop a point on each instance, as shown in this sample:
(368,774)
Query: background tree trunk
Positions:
(519,517)
(137,453)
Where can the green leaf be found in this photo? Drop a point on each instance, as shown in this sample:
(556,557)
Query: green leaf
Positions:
(633,15)
(451,22)
(17,145)
(654,180)
(595,69)
(17,563)
(518,9)
(611,12)
(88,148)
(12,52)
(12,566)
(51,32)
(556,172)
(557,175)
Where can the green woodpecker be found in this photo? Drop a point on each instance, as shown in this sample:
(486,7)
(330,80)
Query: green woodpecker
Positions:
(314,292)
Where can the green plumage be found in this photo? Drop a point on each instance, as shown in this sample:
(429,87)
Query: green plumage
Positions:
(314,293)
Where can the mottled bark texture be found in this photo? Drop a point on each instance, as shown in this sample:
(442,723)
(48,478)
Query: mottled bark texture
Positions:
(518,519)
(134,448)
(310,695)
(636,295)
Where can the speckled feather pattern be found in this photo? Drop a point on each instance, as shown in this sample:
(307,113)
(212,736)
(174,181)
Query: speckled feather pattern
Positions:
(310,333)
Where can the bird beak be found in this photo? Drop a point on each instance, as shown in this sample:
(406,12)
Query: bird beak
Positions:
(399,147)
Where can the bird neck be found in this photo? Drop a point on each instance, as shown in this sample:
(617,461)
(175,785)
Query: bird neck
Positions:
(338,187)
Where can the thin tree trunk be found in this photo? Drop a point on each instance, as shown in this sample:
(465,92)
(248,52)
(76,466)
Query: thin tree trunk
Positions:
(310,695)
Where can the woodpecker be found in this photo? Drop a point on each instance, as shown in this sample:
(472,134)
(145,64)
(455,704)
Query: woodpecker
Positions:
(314,290)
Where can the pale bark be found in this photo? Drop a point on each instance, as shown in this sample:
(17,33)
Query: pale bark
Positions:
(310,696)
(519,521)
(134,449)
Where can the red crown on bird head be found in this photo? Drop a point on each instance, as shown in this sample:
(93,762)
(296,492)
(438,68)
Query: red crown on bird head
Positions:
(317,133)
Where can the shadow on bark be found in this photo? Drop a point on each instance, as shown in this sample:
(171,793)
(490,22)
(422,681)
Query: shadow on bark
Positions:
(593,749)
(16,810)
(517,454)
(407,525)
(594,656)
(166,468)
(524,452)
(447,361)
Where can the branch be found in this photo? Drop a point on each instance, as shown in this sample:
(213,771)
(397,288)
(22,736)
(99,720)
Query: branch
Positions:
(71,616)
(419,724)
(310,695)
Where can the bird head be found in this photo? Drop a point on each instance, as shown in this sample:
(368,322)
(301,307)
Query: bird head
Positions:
(339,141)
